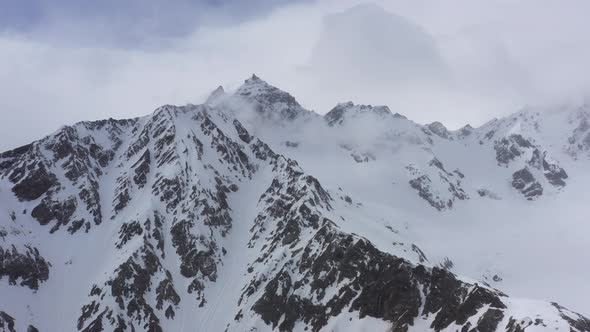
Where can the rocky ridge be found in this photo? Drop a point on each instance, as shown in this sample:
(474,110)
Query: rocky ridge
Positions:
(158,195)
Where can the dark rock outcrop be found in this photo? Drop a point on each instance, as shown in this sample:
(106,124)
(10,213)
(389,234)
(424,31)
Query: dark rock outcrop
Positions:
(337,116)
(26,268)
(372,283)
(36,183)
(508,148)
(269,101)
(6,322)
(524,181)
(424,186)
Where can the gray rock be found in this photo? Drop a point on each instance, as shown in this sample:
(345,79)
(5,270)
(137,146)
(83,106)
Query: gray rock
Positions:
(524,181)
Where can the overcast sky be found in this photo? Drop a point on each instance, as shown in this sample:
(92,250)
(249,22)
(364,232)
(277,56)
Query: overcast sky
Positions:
(454,61)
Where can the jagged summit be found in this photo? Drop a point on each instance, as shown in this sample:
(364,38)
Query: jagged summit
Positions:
(270,101)
(342,111)
(215,95)
(439,129)
(254,78)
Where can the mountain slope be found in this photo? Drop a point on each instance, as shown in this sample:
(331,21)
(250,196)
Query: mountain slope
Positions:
(511,190)
(184,220)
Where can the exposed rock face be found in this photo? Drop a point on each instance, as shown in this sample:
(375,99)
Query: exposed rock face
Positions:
(188,207)
(242,132)
(339,114)
(6,322)
(509,148)
(576,321)
(26,268)
(75,153)
(554,174)
(49,210)
(179,205)
(336,115)
(439,129)
(515,150)
(423,184)
(525,183)
(466,131)
(372,283)
(142,168)
(128,287)
(551,170)
(218,93)
(579,141)
(34,185)
(270,101)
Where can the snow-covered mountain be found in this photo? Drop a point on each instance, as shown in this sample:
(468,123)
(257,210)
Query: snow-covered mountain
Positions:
(251,213)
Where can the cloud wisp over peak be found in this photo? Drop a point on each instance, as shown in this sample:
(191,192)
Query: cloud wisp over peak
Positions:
(458,62)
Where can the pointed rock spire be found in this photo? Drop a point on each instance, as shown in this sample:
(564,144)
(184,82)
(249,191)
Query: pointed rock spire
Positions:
(215,95)
(272,101)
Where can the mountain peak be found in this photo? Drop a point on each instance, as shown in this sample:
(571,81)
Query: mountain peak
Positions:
(270,100)
(254,80)
(466,130)
(342,110)
(216,94)
(439,129)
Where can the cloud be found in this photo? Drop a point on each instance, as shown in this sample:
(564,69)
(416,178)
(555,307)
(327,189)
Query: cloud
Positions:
(431,61)
(45,85)
(367,41)
(149,24)
(462,61)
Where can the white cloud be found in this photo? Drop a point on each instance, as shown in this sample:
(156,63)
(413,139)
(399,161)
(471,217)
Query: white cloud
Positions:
(456,61)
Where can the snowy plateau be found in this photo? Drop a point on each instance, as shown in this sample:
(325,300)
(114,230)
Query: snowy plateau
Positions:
(251,213)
